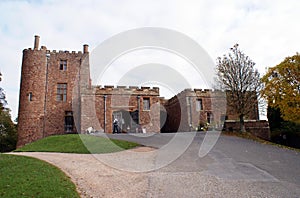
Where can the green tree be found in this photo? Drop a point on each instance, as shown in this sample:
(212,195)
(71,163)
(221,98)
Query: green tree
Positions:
(8,131)
(282,88)
(236,75)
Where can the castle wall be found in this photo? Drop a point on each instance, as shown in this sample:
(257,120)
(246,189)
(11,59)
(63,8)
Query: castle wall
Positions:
(40,113)
(56,110)
(32,96)
(100,104)
(184,115)
(258,128)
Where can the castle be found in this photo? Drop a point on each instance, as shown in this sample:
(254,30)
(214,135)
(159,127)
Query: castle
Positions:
(57,97)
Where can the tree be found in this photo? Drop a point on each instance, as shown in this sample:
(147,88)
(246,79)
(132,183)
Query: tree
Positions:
(2,96)
(237,76)
(282,88)
(8,131)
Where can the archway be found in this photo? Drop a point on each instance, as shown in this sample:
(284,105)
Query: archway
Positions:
(127,120)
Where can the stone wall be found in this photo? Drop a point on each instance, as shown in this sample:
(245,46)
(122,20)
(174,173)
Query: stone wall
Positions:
(56,110)
(184,115)
(40,114)
(103,102)
(32,96)
(259,128)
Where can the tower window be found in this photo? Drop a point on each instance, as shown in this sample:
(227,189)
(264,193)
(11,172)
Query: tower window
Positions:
(61,94)
(30,96)
(63,65)
(199,105)
(146,104)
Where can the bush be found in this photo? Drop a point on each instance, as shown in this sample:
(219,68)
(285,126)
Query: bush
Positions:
(287,134)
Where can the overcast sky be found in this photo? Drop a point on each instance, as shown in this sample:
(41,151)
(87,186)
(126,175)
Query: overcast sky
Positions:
(267,30)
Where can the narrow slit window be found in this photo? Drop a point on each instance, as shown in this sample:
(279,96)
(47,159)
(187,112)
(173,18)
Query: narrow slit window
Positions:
(30,96)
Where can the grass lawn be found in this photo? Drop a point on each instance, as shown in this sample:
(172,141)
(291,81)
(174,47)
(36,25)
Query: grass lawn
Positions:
(74,143)
(28,177)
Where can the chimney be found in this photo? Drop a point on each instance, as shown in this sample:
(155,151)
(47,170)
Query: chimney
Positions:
(85,48)
(36,42)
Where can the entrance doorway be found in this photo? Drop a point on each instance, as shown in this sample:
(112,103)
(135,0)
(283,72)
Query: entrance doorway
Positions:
(127,121)
(69,122)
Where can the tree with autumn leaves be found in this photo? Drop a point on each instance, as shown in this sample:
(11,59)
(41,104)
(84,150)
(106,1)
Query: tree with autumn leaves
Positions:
(282,88)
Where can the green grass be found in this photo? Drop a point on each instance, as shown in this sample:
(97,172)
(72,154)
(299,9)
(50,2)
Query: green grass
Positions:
(28,177)
(74,143)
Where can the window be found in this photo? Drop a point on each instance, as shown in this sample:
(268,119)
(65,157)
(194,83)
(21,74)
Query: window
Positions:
(199,106)
(63,65)
(61,92)
(30,96)
(146,104)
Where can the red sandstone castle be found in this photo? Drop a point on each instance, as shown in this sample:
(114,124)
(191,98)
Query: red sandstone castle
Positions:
(57,97)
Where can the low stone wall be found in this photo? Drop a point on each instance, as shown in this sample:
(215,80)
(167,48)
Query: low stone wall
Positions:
(259,128)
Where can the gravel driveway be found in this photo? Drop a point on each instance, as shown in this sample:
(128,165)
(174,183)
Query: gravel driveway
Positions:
(218,174)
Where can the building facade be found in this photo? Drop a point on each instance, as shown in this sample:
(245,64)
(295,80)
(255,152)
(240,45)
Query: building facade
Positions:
(47,78)
(135,108)
(57,97)
(202,109)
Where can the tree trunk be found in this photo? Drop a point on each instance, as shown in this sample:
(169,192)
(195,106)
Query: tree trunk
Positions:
(242,124)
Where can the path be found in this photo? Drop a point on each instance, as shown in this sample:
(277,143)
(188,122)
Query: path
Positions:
(234,168)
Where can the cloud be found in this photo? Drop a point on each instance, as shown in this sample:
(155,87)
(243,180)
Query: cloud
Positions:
(267,31)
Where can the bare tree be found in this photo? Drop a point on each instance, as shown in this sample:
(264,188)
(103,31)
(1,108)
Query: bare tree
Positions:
(237,76)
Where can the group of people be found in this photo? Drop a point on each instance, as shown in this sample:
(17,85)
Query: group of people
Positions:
(116,128)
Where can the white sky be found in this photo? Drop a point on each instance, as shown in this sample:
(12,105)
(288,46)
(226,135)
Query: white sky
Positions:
(266,30)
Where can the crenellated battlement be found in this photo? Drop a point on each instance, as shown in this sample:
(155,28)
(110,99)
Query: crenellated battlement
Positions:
(44,48)
(200,93)
(127,90)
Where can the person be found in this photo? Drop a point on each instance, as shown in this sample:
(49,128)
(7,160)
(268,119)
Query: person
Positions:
(115,123)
